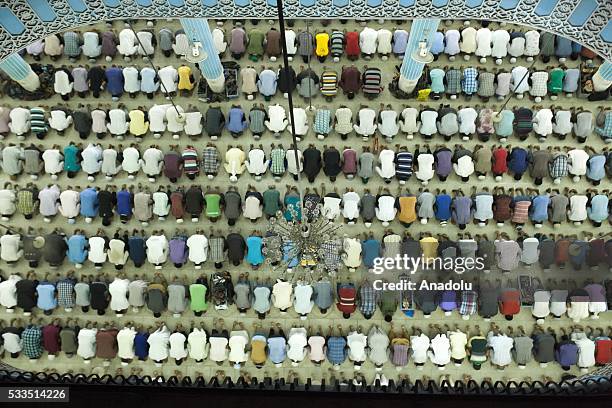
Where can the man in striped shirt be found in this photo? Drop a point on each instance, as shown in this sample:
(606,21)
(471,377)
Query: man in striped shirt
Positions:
(371,82)
(191,165)
(329,84)
(403,164)
(337,44)
(38,124)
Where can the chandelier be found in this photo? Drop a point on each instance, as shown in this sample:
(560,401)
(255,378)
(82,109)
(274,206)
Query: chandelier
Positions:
(309,241)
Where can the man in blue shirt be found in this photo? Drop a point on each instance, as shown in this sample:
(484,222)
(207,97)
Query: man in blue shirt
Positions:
(125,198)
(77,249)
(266,84)
(518,162)
(596,169)
(46,300)
(89,203)
(539,209)
(277,346)
(237,122)
(336,349)
(136,250)
(114,82)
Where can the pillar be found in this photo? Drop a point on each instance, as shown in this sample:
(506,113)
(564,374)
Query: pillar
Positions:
(604,74)
(21,72)
(197,29)
(411,70)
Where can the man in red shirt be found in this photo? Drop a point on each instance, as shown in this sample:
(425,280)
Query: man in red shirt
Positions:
(500,162)
(350,81)
(509,303)
(346,299)
(352,45)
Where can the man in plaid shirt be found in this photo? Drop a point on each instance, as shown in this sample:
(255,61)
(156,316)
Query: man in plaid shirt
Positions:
(27,199)
(469,82)
(368,298)
(210,161)
(606,130)
(336,350)
(72,44)
(469,303)
(539,84)
(331,254)
(65,293)
(217,250)
(31,342)
(453,82)
(277,161)
(558,166)
(486,84)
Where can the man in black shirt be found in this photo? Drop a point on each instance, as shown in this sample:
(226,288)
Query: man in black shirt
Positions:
(97,79)
(106,202)
(99,296)
(236,248)
(194,202)
(26,293)
(55,248)
(214,122)
(332,164)
(312,162)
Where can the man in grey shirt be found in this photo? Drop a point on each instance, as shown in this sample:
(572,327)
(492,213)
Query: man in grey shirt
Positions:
(425,203)
(261,304)
(12,160)
(323,295)
(447,122)
(367,208)
(242,290)
(558,208)
(177,300)
(522,351)
(166,38)
(583,125)
(365,164)
(538,165)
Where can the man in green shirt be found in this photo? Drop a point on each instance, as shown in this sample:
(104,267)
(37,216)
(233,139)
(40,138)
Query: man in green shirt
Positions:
(197,295)
(255,47)
(213,200)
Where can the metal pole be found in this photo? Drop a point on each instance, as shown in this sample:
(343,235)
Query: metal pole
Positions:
(281,23)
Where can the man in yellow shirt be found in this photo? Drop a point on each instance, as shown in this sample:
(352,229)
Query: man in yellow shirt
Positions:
(186,81)
(139,122)
(429,247)
(322,46)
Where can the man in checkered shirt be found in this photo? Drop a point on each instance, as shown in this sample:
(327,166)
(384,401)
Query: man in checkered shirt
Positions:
(368,298)
(277,161)
(469,82)
(453,82)
(558,166)
(217,250)
(31,342)
(331,254)
(606,130)
(469,303)
(539,84)
(65,293)
(336,349)
(486,84)
(210,161)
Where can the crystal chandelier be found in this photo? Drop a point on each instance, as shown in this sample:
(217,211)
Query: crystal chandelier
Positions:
(302,240)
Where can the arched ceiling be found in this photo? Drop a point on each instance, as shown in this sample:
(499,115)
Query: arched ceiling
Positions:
(587,22)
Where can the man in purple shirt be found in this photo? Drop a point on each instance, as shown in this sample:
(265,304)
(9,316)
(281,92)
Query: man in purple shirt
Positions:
(443,163)
(237,122)
(178,250)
